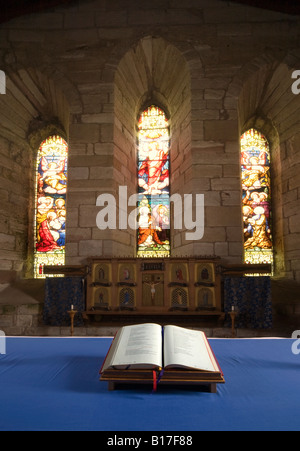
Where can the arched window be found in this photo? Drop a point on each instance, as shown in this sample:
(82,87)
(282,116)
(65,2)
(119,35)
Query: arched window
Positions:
(256,197)
(50,210)
(153,238)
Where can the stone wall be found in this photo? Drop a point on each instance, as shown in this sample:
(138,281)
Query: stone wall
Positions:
(14,194)
(291,197)
(88,69)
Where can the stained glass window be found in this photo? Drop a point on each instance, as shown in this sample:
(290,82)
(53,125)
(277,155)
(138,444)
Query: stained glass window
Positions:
(256,196)
(50,213)
(153,238)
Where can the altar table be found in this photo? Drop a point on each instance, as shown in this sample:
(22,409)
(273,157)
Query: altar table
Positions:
(53,384)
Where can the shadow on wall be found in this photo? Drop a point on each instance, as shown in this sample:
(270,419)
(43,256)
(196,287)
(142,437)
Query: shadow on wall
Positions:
(20,292)
(286,297)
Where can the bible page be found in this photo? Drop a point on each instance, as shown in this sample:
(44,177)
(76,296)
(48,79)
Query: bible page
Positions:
(187,348)
(139,345)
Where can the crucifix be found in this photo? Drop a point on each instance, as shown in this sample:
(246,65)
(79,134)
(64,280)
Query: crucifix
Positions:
(152,285)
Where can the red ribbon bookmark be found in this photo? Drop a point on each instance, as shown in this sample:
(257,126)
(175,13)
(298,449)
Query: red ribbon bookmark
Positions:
(154,381)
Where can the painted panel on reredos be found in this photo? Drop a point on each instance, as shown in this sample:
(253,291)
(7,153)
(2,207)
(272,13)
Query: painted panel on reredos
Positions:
(102,272)
(205,273)
(179,298)
(205,298)
(126,298)
(179,273)
(101,298)
(127,272)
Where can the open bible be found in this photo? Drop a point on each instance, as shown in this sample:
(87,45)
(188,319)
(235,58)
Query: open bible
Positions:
(169,354)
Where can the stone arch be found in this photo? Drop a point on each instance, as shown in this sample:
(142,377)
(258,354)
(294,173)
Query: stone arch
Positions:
(34,107)
(265,102)
(32,100)
(153,71)
(256,88)
(46,76)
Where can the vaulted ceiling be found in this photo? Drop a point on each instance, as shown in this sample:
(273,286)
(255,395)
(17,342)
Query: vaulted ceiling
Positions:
(15,8)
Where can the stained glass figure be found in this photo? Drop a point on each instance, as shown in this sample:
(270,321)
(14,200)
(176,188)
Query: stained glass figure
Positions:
(153,184)
(50,215)
(256,198)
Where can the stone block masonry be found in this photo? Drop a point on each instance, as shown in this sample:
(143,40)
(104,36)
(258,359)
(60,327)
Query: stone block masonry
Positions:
(20,319)
(90,68)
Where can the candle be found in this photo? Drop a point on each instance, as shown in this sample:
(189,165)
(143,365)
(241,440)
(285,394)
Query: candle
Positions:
(72,307)
(232,308)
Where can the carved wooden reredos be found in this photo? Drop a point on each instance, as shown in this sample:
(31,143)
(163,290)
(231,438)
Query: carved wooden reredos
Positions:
(153,286)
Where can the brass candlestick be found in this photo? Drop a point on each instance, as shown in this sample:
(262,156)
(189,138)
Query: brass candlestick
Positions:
(233,314)
(72,313)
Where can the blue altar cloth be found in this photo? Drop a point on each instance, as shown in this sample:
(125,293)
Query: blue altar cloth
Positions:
(60,294)
(252,299)
(53,384)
